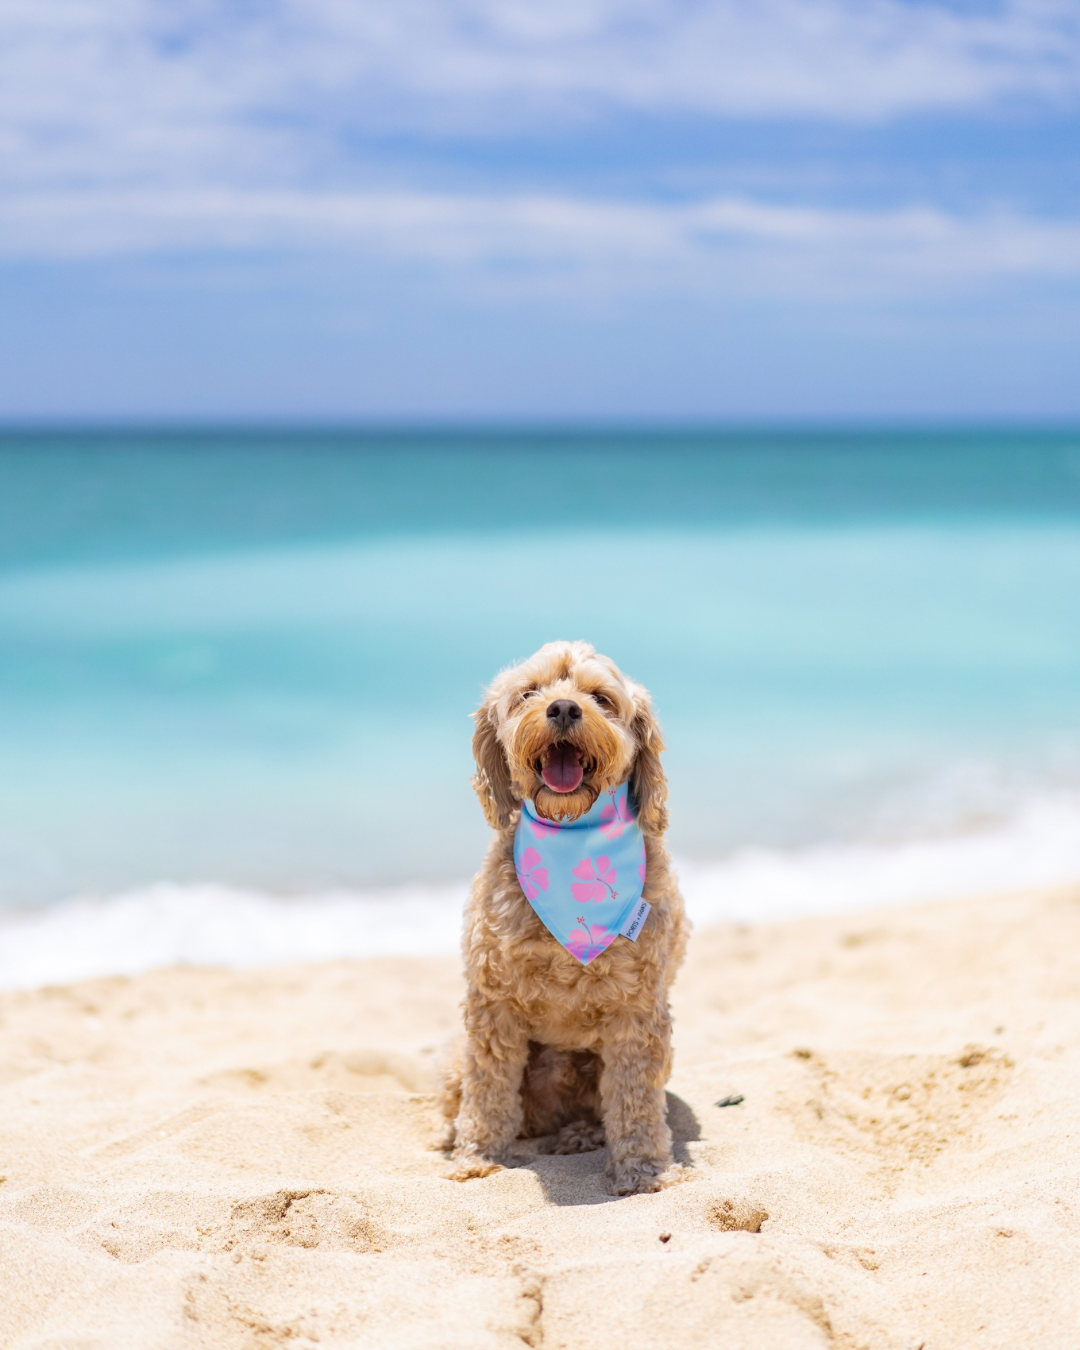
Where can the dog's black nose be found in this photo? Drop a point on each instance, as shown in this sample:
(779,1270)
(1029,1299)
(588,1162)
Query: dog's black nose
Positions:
(564,712)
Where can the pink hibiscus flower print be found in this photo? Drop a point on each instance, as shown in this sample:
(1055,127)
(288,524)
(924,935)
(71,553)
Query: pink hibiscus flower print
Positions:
(597,880)
(533,878)
(615,815)
(589,940)
(541,828)
(641,864)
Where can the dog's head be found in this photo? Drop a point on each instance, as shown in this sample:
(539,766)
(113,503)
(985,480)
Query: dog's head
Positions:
(561,728)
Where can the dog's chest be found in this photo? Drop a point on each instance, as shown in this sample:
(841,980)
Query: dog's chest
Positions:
(562,1001)
(570,1005)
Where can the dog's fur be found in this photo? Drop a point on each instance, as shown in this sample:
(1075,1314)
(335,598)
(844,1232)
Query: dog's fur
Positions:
(552,1047)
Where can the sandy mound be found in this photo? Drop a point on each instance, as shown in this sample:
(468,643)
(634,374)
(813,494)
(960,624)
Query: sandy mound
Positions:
(210,1159)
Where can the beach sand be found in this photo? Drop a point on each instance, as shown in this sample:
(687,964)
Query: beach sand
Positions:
(207,1158)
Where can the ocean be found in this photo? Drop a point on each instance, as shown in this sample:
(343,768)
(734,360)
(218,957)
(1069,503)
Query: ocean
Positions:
(236,668)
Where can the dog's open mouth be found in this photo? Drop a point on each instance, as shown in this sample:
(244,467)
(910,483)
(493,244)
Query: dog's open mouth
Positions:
(561,768)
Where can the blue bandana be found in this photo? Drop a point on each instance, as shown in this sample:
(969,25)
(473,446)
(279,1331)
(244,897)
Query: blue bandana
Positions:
(584,877)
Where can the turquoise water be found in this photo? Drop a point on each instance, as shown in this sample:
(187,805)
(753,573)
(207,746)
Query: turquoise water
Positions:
(249,657)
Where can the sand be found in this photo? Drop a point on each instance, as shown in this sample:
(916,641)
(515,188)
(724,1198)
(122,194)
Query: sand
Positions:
(205,1158)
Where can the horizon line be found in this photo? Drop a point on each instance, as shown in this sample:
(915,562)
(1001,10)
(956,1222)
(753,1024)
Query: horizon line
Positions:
(543,426)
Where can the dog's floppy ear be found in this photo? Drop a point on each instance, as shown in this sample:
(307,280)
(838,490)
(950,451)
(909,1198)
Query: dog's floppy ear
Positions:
(491,782)
(647,782)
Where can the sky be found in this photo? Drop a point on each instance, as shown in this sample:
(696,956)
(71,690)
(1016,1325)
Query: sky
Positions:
(653,210)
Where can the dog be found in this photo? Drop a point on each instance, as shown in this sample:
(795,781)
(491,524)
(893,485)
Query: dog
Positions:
(554,1048)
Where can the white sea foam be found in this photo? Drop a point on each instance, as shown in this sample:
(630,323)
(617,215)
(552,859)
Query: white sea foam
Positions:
(1039,846)
(210,924)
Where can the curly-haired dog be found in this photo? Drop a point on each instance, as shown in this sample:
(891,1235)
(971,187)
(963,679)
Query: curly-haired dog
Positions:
(552,1046)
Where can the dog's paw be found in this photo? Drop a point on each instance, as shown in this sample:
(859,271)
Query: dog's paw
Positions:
(638,1176)
(466,1166)
(579,1137)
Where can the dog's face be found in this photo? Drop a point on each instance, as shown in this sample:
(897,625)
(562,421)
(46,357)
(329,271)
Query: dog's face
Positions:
(561,728)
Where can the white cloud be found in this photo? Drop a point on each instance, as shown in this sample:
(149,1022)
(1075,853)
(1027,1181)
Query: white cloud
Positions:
(150,125)
(721,243)
(175,90)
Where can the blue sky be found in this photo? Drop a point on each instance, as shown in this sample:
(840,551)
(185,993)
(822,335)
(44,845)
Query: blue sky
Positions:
(496,209)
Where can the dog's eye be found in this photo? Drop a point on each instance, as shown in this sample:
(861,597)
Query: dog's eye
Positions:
(606,703)
(529,693)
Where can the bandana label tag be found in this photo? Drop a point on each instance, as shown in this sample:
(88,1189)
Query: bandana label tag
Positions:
(636,922)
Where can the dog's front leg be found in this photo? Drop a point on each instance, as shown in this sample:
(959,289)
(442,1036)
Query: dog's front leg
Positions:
(637,1062)
(490,1117)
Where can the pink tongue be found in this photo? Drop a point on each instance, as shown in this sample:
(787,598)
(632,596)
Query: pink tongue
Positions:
(562,768)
